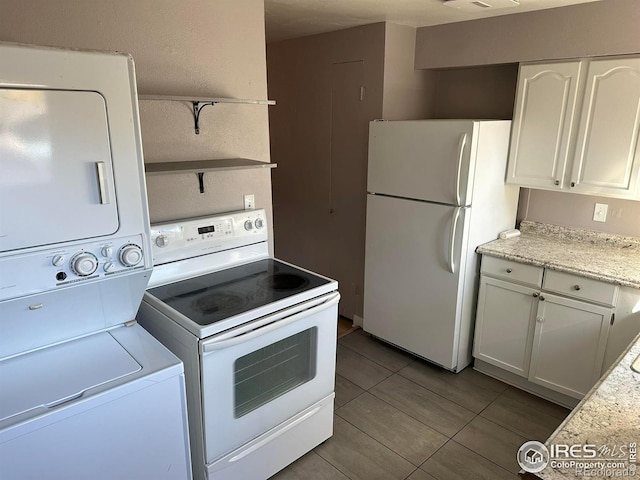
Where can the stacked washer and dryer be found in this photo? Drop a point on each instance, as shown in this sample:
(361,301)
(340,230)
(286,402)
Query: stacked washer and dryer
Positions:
(85,392)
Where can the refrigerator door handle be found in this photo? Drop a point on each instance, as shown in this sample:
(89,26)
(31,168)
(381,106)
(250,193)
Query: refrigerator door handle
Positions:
(452,246)
(461,144)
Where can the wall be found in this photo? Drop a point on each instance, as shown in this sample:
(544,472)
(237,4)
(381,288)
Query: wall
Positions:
(597,28)
(211,48)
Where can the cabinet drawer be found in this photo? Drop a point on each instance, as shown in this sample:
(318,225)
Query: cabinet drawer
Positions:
(512,271)
(581,287)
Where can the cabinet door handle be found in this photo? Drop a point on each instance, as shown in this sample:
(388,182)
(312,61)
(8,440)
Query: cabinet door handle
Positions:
(509,270)
(541,298)
(557,182)
(573,184)
(540,319)
(576,287)
(535,295)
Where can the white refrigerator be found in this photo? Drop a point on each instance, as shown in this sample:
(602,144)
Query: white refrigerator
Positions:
(436,190)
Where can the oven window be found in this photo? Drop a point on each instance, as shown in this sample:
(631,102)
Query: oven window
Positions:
(272,371)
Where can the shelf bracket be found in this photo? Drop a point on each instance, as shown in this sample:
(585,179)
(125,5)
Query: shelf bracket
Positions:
(201,180)
(197,108)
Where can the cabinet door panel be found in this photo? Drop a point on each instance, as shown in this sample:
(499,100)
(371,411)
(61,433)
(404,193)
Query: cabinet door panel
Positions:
(607,160)
(543,121)
(504,325)
(568,345)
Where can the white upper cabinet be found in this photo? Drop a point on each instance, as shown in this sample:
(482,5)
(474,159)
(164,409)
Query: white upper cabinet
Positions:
(607,158)
(576,127)
(544,116)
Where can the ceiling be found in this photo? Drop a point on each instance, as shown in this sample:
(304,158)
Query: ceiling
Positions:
(298,18)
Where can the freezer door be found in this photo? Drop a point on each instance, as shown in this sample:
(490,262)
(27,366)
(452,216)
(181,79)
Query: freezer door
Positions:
(413,288)
(421,159)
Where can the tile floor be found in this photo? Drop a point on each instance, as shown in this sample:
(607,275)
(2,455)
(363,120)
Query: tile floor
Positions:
(398,417)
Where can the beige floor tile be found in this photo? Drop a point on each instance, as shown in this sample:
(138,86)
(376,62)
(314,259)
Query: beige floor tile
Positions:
(492,441)
(360,457)
(345,391)
(358,369)
(310,467)
(532,417)
(394,429)
(420,475)
(470,389)
(455,462)
(376,350)
(422,404)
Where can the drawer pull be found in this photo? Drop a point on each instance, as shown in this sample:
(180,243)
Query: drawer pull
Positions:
(576,287)
(509,270)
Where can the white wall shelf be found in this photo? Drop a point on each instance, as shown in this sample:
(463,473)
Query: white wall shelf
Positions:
(199,167)
(200,102)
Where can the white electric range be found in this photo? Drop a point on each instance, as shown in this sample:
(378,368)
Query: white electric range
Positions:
(257,337)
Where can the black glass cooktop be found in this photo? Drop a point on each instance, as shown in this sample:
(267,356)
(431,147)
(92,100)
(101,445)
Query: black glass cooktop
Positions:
(216,296)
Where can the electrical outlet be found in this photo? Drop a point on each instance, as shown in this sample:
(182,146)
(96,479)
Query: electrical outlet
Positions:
(600,212)
(249,202)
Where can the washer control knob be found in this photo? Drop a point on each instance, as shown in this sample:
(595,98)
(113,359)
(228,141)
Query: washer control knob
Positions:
(162,241)
(130,255)
(57,260)
(107,251)
(84,264)
(108,267)
(248,225)
(259,223)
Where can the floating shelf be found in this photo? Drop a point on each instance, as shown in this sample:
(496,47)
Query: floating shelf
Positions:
(199,167)
(199,103)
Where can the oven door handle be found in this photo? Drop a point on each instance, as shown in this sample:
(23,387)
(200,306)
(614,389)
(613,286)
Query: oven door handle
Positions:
(273,322)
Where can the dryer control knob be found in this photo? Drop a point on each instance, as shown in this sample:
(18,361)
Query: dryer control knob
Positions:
(259,223)
(162,241)
(57,260)
(107,251)
(109,266)
(248,225)
(130,255)
(84,264)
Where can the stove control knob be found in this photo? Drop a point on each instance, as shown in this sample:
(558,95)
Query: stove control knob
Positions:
(107,251)
(162,241)
(248,225)
(57,260)
(109,266)
(259,223)
(130,255)
(84,264)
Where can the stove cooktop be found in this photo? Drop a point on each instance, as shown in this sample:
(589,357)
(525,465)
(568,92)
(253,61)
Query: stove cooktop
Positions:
(216,296)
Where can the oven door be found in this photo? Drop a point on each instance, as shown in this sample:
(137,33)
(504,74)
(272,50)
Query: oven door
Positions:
(259,375)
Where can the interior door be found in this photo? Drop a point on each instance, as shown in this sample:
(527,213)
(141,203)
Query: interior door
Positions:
(412,297)
(55,159)
(424,160)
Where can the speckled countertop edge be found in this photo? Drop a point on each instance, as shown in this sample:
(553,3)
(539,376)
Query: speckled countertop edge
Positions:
(608,415)
(605,257)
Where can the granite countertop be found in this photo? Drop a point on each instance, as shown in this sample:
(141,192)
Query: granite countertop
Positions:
(605,257)
(609,418)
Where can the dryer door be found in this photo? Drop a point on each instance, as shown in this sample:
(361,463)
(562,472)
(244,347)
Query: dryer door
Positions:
(55,158)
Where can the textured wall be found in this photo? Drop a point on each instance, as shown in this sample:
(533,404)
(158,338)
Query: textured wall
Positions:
(596,28)
(212,48)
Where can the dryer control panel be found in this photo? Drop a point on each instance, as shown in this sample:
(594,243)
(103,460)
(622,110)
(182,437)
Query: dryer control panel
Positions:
(47,270)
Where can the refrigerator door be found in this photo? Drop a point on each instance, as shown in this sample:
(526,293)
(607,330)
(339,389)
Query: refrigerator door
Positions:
(413,285)
(422,159)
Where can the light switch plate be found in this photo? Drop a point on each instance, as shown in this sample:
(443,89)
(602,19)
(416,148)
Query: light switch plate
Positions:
(600,212)
(249,202)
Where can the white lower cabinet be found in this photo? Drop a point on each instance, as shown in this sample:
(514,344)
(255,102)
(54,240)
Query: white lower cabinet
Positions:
(549,339)
(568,344)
